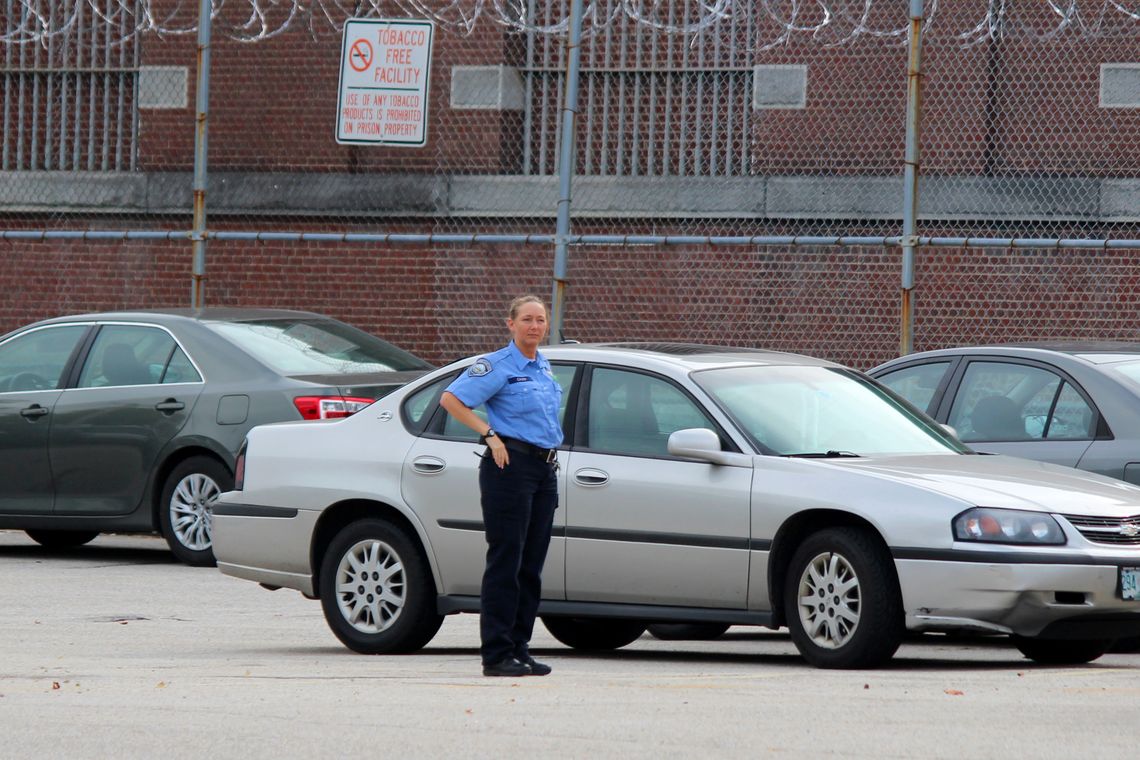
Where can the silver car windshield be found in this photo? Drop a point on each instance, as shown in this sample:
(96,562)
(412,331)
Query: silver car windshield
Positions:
(312,347)
(821,411)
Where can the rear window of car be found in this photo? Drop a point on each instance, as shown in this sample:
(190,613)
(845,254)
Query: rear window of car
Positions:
(316,347)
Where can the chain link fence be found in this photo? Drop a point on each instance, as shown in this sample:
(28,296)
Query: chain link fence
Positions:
(737,175)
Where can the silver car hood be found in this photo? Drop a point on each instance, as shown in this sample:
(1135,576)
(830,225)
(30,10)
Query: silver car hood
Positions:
(1002,481)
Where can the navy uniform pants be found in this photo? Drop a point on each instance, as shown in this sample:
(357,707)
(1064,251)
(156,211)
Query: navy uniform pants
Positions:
(518,510)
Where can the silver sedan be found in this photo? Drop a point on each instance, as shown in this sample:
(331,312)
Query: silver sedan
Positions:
(698,485)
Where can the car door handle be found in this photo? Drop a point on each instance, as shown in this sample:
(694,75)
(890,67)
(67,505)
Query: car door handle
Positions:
(170,406)
(428,465)
(588,476)
(33,412)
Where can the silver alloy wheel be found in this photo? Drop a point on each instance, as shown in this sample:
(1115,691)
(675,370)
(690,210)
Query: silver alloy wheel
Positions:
(829,600)
(371,590)
(192,510)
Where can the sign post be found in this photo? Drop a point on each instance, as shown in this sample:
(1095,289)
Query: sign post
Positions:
(385,66)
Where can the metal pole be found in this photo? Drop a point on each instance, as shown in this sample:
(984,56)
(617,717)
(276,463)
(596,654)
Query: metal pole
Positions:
(202,93)
(910,175)
(566,168)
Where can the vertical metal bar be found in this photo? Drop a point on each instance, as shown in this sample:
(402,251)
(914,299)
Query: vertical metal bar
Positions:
(65,64)
(746,109)
(106,162)
(34,153)
(635,127)
(607,83)
(651,126)
(623,58)
(6,157)
(528,106)
(202,100)
(77,140)
(910,175)
(670,75)
(91,91)
(590,127)
(20,98)
(122,84)
(566,169)
(135,58)
(544,119)
(683,135)
(49,100)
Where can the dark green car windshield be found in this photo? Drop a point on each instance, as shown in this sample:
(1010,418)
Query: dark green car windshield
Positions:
(316,347)
(821,411)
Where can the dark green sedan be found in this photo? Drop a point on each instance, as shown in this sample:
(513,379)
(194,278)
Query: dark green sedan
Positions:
(131,421)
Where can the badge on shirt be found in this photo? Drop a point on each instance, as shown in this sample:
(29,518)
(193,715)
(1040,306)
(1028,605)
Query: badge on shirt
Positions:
(479,368)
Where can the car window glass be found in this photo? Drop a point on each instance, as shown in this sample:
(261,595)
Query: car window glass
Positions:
(1003,402)
(633,413)
(419,406)
(316,346)
(127,355)
(916,383)
(1072,417)
(563,373)
(36,360)
(180,369)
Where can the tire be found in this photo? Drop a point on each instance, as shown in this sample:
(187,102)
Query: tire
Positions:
(594,634)
(185,508)
(862,625)
(62,539)
(399,616)
(1061,651)
(687,631)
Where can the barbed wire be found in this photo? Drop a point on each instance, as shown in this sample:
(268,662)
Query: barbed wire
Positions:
(829,22)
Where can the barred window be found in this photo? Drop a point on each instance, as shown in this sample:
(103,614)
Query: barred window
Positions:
(68,101)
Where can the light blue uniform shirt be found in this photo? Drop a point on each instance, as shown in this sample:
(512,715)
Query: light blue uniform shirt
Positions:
(521,395)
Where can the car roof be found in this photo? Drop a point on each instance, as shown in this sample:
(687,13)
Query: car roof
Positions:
(1094,352)
(686,356)
(211,314)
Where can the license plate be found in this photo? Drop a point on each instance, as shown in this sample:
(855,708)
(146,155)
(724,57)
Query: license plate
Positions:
(1130,583)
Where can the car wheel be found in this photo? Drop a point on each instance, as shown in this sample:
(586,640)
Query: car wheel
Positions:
(62,539)
(186,508)
(590,633)
(841,600)
(1061,651)
(687,631)
(376,590)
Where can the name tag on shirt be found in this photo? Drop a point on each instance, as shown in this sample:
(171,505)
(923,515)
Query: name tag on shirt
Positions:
(519,380)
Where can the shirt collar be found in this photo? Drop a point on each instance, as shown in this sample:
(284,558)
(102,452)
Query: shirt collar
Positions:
(521,360)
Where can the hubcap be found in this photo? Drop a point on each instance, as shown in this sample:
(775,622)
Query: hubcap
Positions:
(370,586)
(192,510)
(829,600)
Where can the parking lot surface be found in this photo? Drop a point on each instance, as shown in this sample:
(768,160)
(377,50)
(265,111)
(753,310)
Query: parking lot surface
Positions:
(114,650)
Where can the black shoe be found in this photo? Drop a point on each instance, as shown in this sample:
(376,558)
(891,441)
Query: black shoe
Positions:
(508,667)
(536,668)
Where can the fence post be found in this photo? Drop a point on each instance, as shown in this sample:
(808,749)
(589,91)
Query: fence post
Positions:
(202,99)
(566,169)
(910,176)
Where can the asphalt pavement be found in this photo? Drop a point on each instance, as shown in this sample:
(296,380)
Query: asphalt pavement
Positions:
(114,650)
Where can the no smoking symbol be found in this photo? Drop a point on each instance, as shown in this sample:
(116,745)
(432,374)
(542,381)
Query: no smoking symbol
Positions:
(360,55)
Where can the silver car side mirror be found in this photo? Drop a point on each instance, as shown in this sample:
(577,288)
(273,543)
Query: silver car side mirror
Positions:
(703,444)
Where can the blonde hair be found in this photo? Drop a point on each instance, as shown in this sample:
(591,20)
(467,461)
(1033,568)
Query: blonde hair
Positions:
(521,301)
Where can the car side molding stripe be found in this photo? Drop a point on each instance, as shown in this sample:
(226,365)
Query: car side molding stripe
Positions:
(635,536)
(1009,558)
(447,605)
(249,510)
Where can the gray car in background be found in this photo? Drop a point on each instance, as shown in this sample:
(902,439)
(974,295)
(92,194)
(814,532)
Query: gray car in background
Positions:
(1074,404)
(131,421)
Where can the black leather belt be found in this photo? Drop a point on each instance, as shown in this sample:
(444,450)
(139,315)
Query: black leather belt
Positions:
(549,456)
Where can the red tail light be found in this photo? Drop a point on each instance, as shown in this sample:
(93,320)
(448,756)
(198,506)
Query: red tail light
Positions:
(329,407)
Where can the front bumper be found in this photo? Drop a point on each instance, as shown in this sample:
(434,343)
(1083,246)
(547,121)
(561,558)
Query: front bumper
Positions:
(1058,601)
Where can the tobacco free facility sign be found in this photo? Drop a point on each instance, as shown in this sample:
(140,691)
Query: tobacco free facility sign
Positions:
(385,65)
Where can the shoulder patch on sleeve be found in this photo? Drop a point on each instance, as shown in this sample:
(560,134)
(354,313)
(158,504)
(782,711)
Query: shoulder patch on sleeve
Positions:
(479,368)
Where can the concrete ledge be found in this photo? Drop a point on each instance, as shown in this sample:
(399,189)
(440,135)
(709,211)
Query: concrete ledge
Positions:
(402,195)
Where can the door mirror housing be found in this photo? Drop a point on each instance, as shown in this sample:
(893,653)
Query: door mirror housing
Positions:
(703,444)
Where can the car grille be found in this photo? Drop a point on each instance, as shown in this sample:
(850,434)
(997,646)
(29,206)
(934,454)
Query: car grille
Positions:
(1108,530)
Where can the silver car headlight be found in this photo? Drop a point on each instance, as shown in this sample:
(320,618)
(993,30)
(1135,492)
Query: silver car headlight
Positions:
(1007,526)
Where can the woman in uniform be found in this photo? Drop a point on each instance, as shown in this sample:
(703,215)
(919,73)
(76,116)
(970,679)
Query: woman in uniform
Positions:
(517,482)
